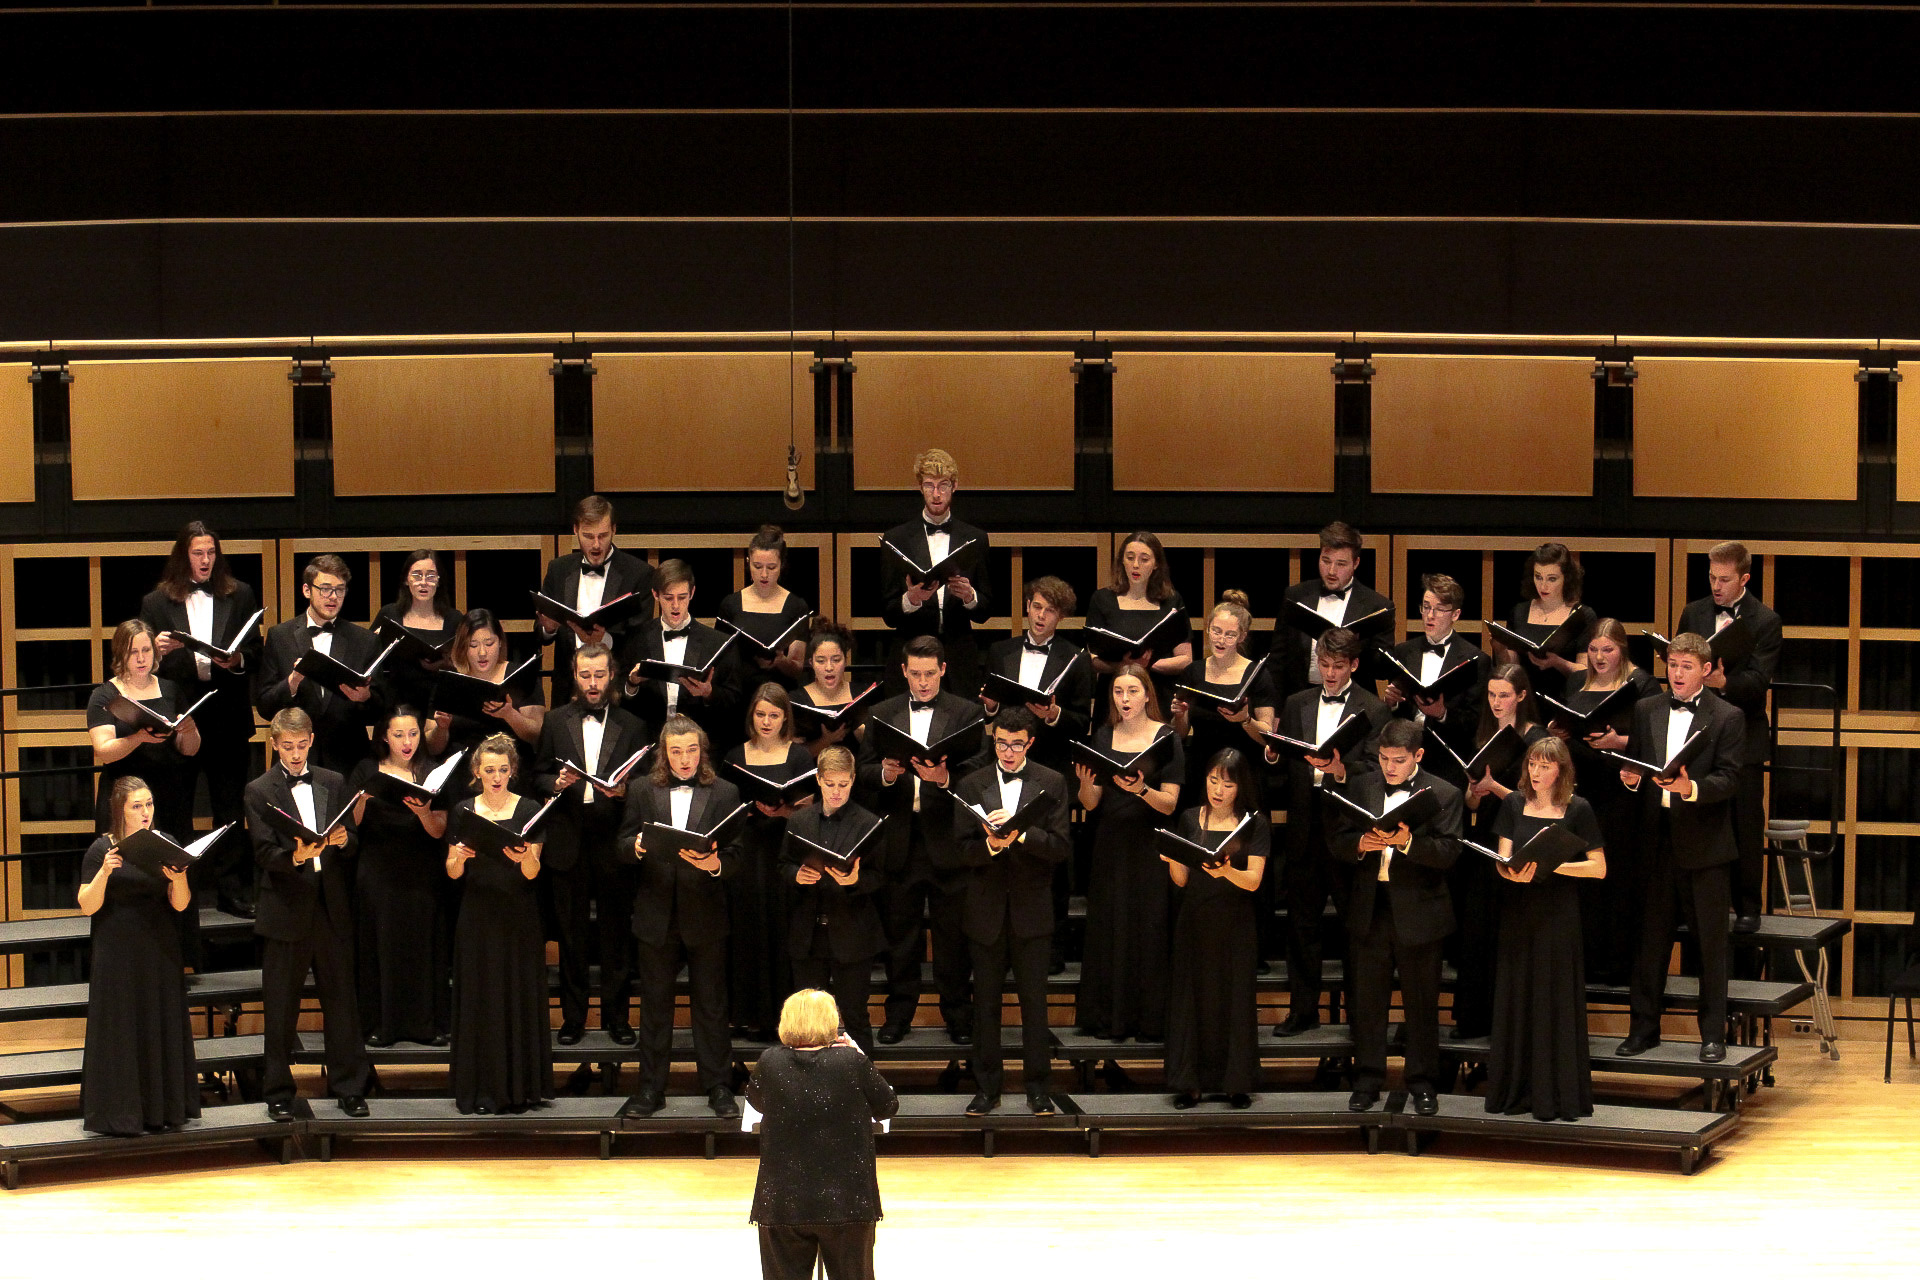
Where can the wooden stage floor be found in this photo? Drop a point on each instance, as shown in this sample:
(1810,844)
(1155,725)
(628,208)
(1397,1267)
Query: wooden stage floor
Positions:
(1824,1178)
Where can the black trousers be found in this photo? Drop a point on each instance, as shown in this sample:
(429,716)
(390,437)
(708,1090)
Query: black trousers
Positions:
(1372,962)
(1700,898)
(586,933)
(1027,957)
(907,912)
(850,984)
(789,1252)
(1750,835)
(1306,883)
(1475,942)
(284,967)
(706,966)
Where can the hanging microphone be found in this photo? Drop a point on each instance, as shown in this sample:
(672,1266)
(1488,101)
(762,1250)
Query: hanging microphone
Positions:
(795,499)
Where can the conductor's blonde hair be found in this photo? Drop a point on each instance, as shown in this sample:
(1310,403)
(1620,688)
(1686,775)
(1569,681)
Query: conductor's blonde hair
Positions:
(935,464)
(809,1020)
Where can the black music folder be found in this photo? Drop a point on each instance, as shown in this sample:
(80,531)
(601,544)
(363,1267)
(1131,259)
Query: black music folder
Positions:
(289,824)
(895,743)
(1499,751)
(831,718)
(664,837)
(819,857)
(757,786)
(1731,643)
(1162,635)
(135,712)
(330,671)
(1233,699)
(1612,712)
(611,613)
(937,572)
(1008,691)
(774,647)
(1548,848)
(1346,735)
(483,835)
(1120,764)
(1200,856)
(150,850)
(1414,810)
(439,788)
(661,669)
(410,646)
(190,641)
(1457,678)
(616,775)
(1696,743)
(1551,642)
(1308,622)
(460,694)
(1033,802)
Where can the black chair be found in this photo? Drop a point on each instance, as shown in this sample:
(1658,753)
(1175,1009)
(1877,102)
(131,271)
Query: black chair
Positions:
(1905,987)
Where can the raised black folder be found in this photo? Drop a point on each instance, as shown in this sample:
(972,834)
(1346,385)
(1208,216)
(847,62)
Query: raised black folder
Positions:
(1033,803)
(1551,642)
(819,857)
(937,572)
(772,648)
(830,718)
(611,613)
(134,711)
(895,743)
(1499,751)
(151,850)
(1312,624)
(1200,856)
(289,824)
(460,694)
(1007,691)
(1696,743)
(439,788)
(330,671)
(1414,810)
(661,669)
(1613,711)
(190,641)
(408,646)
(1234,699)
(1455,679)
(614,776)
(483,835)
(1548,848)
(1346,735)
(664,837)
(757,786)
(1119,764)
(1730,643)
(1163,634)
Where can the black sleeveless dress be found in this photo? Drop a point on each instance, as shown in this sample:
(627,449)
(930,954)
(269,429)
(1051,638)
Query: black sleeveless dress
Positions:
(502,1042)
(1213,1013)
(403,932)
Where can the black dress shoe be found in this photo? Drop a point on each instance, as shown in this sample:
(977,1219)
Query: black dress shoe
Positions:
(354,1107)
(1115,1076)
(1240,1101)
(1425,1103)
(722,1103)
(1185,1101)
(482,1109)
(571,1033)
(622,1034)
(1713,1051)
(1296,1024)
(1745,924)
(959,1037)
(377,1041)
(1056,967)
(441,1040)
(234,907)
(1039,1103)
(891,1033)
(1635,1045)
(1363,1099)
(644,1103)
(280,1111)
(982,1104)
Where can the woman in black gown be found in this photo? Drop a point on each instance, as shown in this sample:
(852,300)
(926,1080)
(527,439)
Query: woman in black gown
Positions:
(404,939)
(1550,598)
(1472,882)
(1123,983)
(1540,1060)
(480,651)
(759,896)
(502,1045)
(1213,1012)
(830,684)
(1610,908)
(425,611)
(137,1072)
(1207,727)
(1141,592)
(123,748)
(764,610)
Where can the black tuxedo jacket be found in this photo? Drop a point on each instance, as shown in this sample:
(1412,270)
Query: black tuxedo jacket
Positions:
(1299,716)
(1417,880)
(229,717)
(574,826)
(935,819)
(1748,679)
(626,574)
(1702,828)
(339,723)
(1075,696)
(1013,888)
(296,901)
(673,896)
(1296,648)
(853,929)
(720,714)
(955,622)
(1463,708)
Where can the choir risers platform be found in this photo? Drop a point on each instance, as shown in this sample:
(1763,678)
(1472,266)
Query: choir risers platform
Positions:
(1722,1082)
(47,1140)
(947,1113)
(1118,1112)
(18,936)
(226,988)
(55,1067)
(1690,1134)
(323,1121)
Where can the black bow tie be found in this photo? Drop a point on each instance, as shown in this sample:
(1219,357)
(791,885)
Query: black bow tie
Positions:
(1331,698)
(200,588)
(668,633)
(933,528)
(1732,610)
(1398,792)
(1341,594)
(1427,646)
(593,570)
(1031,647)
(1692,704)
(300,779)
(590,714)
(915,705)
(1008,777)
(316,628)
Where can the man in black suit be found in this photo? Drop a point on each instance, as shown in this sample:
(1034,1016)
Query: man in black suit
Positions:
(1309,876)
(1397,914)
(586,579)
(1007,901)
(198,596)
(919,891)
(1336,597)
(680,912)
(583,866)
(1686,841)
(340,715)
(945,610)
(1743,681)
(712,703)
(306,916)
(1440,650)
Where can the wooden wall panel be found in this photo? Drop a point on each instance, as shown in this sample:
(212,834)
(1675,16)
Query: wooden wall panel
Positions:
(1222,420)
(442,424)
(700,420)
(1745,429)
(182,429)
(16,433)
(1006,417)
(1483,424)
(1906,459)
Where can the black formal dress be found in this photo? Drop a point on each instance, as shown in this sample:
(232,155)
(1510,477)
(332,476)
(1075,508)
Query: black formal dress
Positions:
(502,1040)
(817,1195)
(834,934)
(1475,886)
(626,574)
(1213,1012)
(1748,680)
(591,883)
(306,918)
(1103,610)
(759,905)
(755,667)
(1123,980)
(680,918)
(1396,925)
(1552,681)
(137,1071)
(409,681)
(340,724)
(158,764)
(404,937)
(1540,1061)
(1208,733)
(1293,648)
(943,616)
(226,754)
(1610,908)
(811,729)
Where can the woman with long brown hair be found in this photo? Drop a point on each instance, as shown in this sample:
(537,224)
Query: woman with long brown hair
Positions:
(1140,592)
(127,743)
(1549,602)
(760,975)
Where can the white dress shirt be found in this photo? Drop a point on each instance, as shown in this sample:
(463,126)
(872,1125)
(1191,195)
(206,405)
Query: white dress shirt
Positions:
(1679,728)
(920,725)
(674,649)
(200,627)
(591,591)
(1033,666)
(303,807)
(680,803)
(593,732)
(1395,797)
(938,544)
(1726,615)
